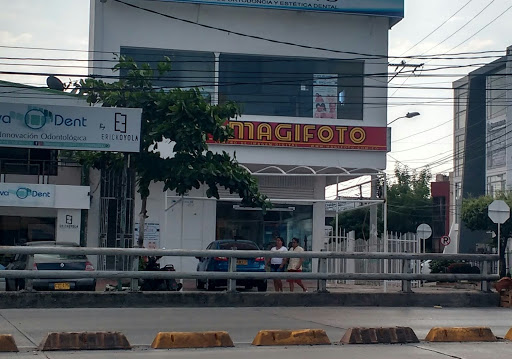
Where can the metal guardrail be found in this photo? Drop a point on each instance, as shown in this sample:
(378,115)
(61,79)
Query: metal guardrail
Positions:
(321,276)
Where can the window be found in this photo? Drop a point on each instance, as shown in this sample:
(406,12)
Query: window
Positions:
(461,99)
(495,184)
(459,155)
(496,144)
(295,87)
(457,202)
(189,68)
(27,161)
(497,94)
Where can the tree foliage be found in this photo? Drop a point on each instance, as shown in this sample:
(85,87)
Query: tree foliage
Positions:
(409,205)
(180,119)
(475,216)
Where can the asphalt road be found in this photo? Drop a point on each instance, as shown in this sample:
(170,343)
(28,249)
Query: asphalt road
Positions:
(140,326)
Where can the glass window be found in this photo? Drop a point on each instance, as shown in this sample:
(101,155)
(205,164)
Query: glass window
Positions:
(295,87)
(461,98)
(496,94)
(496,144)
(495,184)
(189,68)
(251,224)
(27,161)
(459,155)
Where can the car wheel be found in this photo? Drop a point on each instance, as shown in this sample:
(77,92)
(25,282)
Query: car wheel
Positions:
(262,287)
(199,284)
(209,285)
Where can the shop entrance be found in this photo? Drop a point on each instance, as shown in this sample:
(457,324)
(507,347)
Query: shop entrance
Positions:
(15,231)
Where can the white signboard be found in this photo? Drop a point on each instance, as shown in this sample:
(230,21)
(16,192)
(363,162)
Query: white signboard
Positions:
(27,195)
(71,128)
(151,235)
(44,195)
(499,211)
(393,8)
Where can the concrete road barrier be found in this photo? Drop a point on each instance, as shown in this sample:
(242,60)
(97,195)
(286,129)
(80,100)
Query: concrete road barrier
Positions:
(175,340)
(509,335)
(391,335)
(85,341)
(461,334)
(291,337)
(7,343)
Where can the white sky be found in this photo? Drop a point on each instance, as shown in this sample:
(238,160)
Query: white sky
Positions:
(64,24)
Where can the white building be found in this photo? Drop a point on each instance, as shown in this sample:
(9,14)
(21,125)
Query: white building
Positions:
(42,195)
(313,88)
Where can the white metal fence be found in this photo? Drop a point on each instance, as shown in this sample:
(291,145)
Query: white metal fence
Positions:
(346,242)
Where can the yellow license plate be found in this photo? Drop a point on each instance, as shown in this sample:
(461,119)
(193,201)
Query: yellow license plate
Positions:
(62,286)
(241,262)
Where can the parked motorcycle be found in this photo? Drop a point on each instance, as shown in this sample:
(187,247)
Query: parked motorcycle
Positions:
(155,284)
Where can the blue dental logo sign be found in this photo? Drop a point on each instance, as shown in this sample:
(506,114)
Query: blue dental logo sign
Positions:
(35,119)
(23,192)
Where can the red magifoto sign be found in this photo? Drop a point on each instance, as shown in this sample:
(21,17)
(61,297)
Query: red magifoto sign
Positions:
(311,136)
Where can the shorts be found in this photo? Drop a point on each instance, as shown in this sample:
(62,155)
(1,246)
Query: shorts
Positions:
(294,280)
(275,268)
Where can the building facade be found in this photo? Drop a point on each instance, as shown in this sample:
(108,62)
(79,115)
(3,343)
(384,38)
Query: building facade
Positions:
(312,84)
(482,127)
(43,195)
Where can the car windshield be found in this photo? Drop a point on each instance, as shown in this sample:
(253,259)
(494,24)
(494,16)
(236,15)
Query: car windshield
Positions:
(243,246)
(59,257)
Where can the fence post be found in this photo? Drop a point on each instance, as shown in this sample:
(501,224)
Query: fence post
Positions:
(485,285)
(406,268)
(134,282)
(322,268)
(232,269)
(30,266)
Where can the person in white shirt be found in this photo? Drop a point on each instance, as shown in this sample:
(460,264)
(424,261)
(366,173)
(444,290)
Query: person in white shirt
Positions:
(295,265)
(278,264)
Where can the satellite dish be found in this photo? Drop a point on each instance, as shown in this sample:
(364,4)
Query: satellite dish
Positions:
(54,83)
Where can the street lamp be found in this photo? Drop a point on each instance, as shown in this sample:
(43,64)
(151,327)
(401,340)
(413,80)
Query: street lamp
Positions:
(409,115)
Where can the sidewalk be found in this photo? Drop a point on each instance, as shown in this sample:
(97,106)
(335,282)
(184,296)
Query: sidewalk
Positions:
(392,287)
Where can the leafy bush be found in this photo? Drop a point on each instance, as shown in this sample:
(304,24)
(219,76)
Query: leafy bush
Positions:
(440,266)
(455,267)
(462,268)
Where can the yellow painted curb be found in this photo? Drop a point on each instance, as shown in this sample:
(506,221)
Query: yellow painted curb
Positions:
(509,335)
(84,341)
(174,340)
(7,343)
(460,334)
(291,337)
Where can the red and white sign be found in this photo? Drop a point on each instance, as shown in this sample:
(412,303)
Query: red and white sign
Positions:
(445,240)
(308,136)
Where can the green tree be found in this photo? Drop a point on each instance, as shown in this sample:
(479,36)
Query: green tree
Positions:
(475,216)
(183,120)
(409,205)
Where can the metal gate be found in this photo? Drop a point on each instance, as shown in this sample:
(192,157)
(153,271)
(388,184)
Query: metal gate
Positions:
(116,216)
(346,242)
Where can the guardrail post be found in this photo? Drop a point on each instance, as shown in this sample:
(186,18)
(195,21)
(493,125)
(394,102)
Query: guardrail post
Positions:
(232,269)
(322,268)
(30,266)
(134,282)
(406,268)
(485,286)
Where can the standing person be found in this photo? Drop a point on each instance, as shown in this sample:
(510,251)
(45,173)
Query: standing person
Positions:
(277,264)
(295,265)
